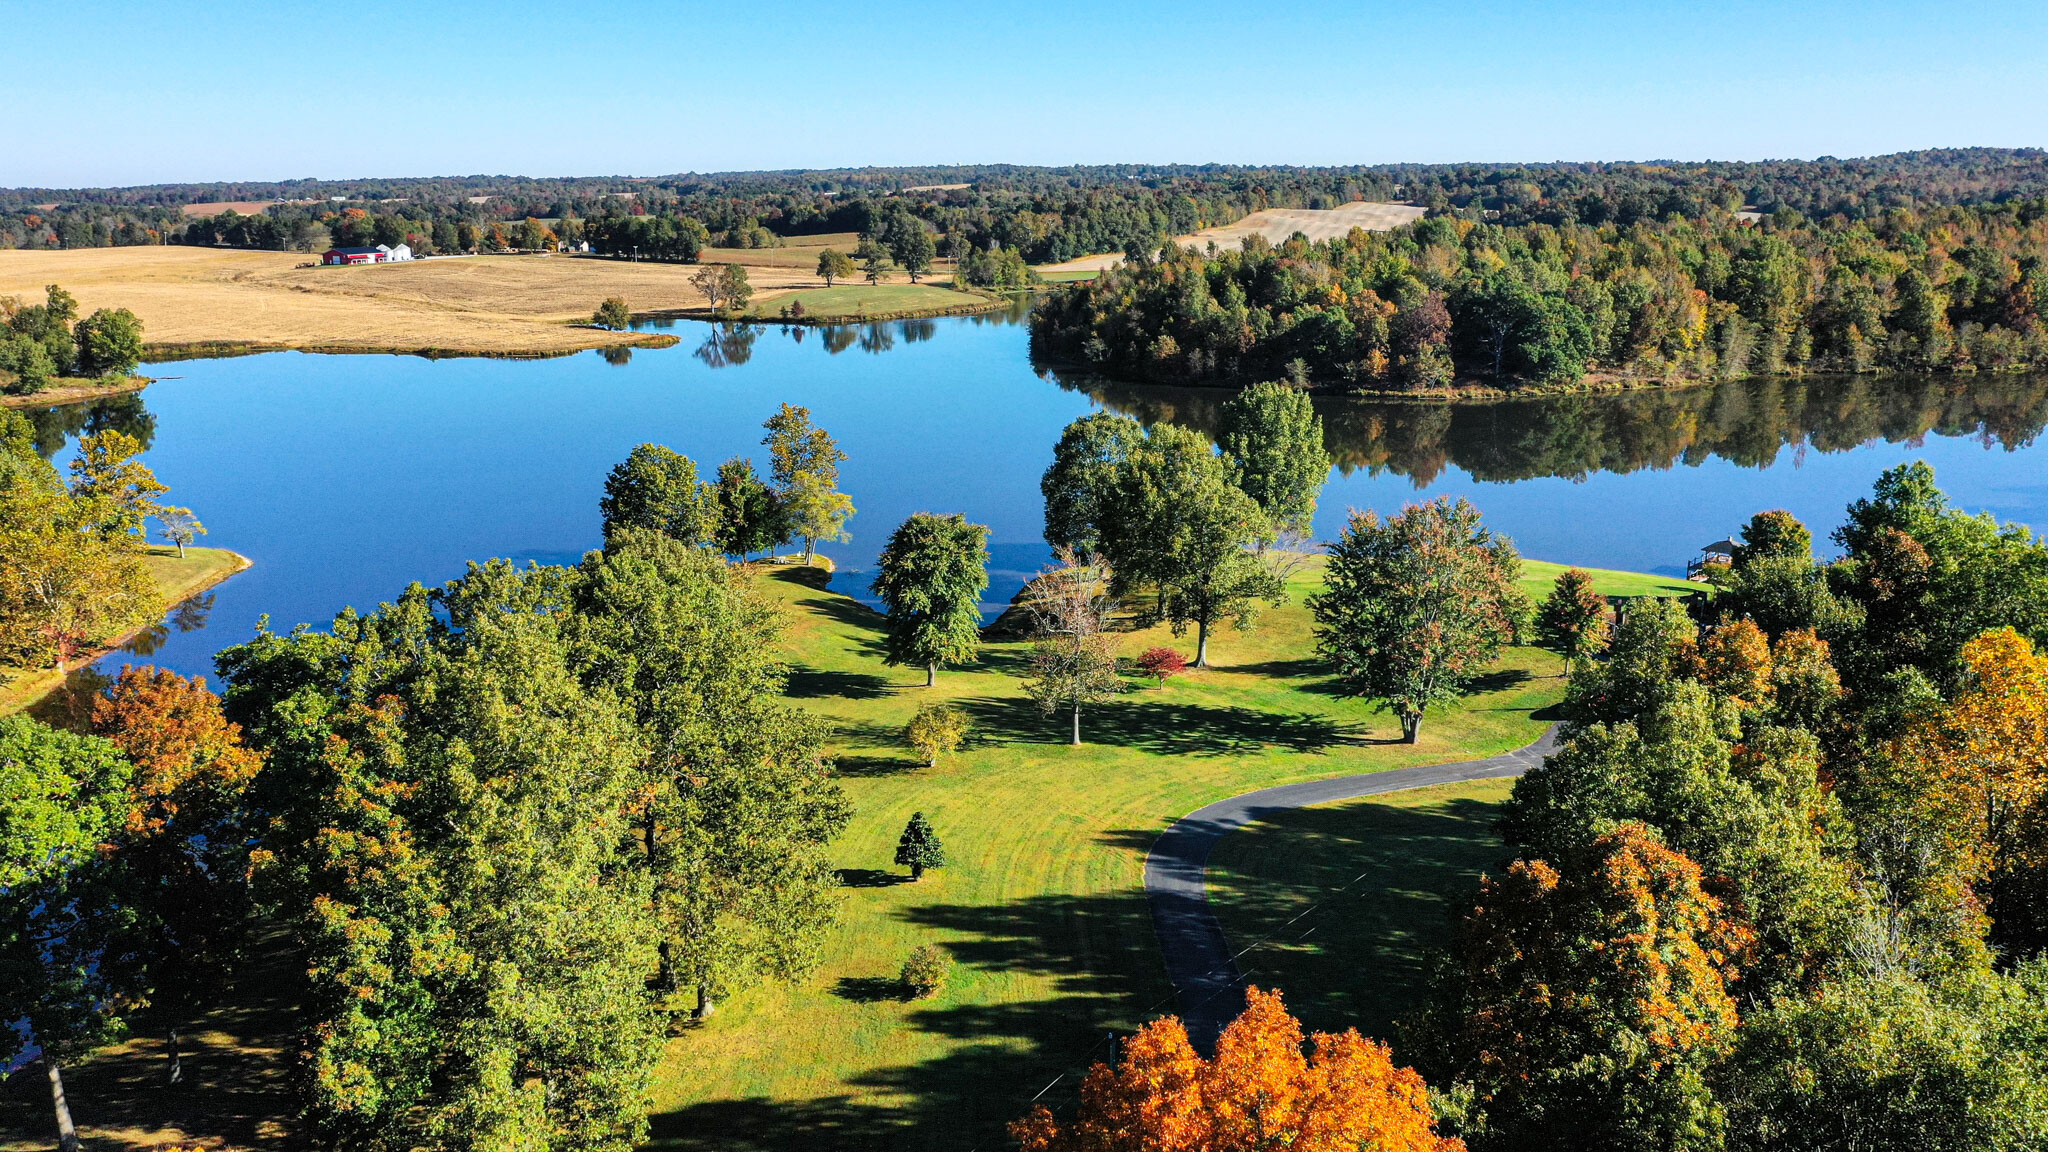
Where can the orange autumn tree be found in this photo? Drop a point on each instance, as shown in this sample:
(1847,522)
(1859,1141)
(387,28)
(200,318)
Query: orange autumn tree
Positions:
(1589,998)
(1987,754)
(1260,1092)
(1738,660)
(176,861)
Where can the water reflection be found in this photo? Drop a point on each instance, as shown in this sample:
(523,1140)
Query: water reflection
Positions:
(57,426)
(188,615)
(1744,422)
(728,345)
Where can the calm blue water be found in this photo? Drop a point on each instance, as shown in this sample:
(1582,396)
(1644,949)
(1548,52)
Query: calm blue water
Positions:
(346,477)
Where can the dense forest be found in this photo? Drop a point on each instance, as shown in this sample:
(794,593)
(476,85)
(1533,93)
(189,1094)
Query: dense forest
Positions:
(1047,214)
(1450,301)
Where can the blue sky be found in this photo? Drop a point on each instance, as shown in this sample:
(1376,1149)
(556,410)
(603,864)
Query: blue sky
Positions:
(115,93)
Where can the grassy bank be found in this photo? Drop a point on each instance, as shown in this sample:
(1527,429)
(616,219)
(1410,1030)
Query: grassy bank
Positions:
(858,302)
(177,580)
(70,390)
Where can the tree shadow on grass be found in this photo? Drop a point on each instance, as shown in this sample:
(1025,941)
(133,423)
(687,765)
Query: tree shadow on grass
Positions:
(818,683)
(1167,728)
(1107,979)
(847,765)
(1384,882)
(1498,680)
(870,878)
(870,989)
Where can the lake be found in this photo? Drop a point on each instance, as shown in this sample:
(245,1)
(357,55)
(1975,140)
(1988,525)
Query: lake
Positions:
(346,477)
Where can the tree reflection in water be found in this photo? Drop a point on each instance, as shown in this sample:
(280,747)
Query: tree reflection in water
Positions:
(1746,422)
(56,426)
(728,345)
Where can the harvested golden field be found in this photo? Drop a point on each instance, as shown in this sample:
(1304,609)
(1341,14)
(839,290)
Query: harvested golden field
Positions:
(478,305)
(1275,224)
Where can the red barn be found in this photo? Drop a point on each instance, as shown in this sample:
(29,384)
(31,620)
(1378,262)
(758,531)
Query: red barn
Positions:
(353,255)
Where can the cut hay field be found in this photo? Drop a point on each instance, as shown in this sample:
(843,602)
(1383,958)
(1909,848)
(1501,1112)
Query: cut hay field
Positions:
(201,298)
(1275,224)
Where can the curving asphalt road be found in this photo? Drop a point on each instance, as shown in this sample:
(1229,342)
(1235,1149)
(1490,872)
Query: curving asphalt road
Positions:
(1205,978)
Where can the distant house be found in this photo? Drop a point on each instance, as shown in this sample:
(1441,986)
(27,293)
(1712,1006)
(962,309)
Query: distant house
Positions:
(1718,555)
(381,254)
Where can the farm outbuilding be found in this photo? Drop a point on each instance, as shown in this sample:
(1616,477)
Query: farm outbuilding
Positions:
(380,254)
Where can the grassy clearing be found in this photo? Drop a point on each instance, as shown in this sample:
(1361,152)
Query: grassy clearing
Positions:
(868,301)
(177,580)
(1042,908)
(1341,904)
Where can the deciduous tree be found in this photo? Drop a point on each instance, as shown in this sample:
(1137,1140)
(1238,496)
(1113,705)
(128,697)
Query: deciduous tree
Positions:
(180,526)
(835,265)
(1174,521)
(1587,999)
(930,577)
(1416,605)
(109,342)
(1073,660)
(1260,1092)
(749,517)
(1085,465)
(1572,620)
(1272,443)
(656,488)
(936,731)
(612,314)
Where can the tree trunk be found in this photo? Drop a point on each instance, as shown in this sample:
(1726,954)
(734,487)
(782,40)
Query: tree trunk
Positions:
(704,1007)
(1201,644)
(931,674)
(916,873)
(1077,723)
(810,546)
(174,1070)
(1411,727)
(67,1134)
(181,549)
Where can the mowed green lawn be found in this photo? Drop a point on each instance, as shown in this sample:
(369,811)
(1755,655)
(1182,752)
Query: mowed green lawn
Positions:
(1042,905)
(854,301)
(1340,905)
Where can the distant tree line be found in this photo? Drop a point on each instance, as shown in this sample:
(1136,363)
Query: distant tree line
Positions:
(1447,300)
(1049,214)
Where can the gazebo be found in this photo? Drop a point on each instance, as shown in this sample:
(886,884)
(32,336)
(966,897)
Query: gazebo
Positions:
(1720,554)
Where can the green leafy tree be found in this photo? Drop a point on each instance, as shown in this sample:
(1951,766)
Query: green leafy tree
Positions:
(874,259)
(656,488)
(1773,535)
(1416,605)
(1175,521)
(806,472)
(925,969)
(1085,465)
(112,491)
(1272,443)
(919,848)
(936,731)
(61,797)
(444,806)
(109,343)
(912,247)
(1890,1064)
(28,360)
(835,265)
(1572,620)
(612,314)
(749,518)
(733,807)
(737,291)
(930,577)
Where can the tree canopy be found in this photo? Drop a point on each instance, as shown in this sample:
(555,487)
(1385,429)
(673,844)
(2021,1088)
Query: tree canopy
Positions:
(930,577)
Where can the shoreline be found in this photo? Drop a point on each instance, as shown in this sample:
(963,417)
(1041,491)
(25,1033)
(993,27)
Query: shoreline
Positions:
(26,690)
(76,393)
(223,349)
